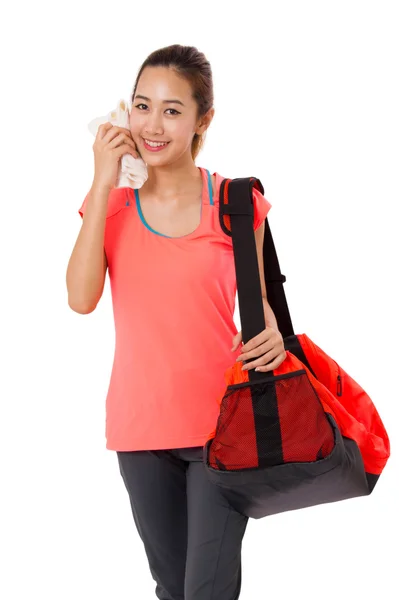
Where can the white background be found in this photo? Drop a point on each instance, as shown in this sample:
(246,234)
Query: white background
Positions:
(306,99)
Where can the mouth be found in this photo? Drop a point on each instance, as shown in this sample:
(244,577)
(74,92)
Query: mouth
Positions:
(155,147)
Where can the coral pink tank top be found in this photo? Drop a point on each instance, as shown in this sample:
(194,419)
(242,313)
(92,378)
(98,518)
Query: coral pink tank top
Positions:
(173,303)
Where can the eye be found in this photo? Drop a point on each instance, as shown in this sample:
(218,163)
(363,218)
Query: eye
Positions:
(175,111)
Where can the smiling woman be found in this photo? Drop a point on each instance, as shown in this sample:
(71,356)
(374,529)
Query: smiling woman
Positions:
(185,71)
(173,283)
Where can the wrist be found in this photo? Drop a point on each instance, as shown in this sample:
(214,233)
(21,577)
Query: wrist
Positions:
(102,188)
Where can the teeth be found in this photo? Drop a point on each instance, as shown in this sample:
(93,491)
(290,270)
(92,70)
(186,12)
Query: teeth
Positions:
(155,144)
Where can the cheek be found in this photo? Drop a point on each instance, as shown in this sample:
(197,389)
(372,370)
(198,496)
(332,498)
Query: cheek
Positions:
(135,131)
(179,131)
(135,124)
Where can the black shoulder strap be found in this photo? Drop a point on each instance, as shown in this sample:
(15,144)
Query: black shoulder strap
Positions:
(236,202)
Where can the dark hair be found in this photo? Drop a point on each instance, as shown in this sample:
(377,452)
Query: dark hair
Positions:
(191,64)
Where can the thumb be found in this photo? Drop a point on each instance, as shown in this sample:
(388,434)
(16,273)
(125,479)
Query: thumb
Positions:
(237,339)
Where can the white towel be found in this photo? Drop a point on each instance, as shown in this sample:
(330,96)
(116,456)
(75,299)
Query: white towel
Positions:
(132,171)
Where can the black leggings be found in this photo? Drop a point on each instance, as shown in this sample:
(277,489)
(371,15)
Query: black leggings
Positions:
(191,535)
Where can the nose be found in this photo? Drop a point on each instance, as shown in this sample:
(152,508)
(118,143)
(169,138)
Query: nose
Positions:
(153,125)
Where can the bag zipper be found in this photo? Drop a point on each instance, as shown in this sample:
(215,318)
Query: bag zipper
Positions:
(339,378)
(339,385)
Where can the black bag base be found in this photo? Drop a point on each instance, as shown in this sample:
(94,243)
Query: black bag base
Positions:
(261,492)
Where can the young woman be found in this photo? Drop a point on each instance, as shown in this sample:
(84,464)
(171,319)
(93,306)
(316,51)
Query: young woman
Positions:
(172,275)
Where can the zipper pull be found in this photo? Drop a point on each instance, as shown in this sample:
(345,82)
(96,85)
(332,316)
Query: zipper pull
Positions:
(339,385)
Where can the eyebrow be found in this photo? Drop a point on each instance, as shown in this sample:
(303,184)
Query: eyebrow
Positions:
(164,101)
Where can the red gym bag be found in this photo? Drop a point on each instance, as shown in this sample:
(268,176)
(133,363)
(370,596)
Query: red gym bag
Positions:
(303,434)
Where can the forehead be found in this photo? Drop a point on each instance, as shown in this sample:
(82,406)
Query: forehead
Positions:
(162,83)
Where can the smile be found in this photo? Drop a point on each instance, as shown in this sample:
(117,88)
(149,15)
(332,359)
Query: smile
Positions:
(155,146)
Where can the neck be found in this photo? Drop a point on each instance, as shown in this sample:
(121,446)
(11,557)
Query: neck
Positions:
(172,180)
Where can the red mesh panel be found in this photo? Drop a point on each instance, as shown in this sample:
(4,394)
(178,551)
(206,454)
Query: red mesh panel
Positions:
(270,423)
(305,429)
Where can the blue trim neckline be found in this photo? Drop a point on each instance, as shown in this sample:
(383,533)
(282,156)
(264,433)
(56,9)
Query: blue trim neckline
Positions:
(136,193)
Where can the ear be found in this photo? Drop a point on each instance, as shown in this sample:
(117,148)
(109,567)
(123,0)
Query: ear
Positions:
(205,121)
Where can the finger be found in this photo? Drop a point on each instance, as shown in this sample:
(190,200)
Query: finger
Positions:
(122,139)
(130,137)
(103,129)
(114,131)
(270,366)
(131,143)
(123,130)
(260,362)
(130,150)
(255,342)
(259,351)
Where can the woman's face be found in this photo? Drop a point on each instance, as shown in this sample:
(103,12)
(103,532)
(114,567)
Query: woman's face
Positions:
(154,119)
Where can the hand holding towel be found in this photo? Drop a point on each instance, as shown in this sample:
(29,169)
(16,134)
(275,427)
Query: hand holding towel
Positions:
(132,171)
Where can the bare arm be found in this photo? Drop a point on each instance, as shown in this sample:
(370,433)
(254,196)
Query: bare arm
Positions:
(87,265)
(270,318)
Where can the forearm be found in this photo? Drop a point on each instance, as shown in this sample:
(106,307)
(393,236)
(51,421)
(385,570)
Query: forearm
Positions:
(269,315)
